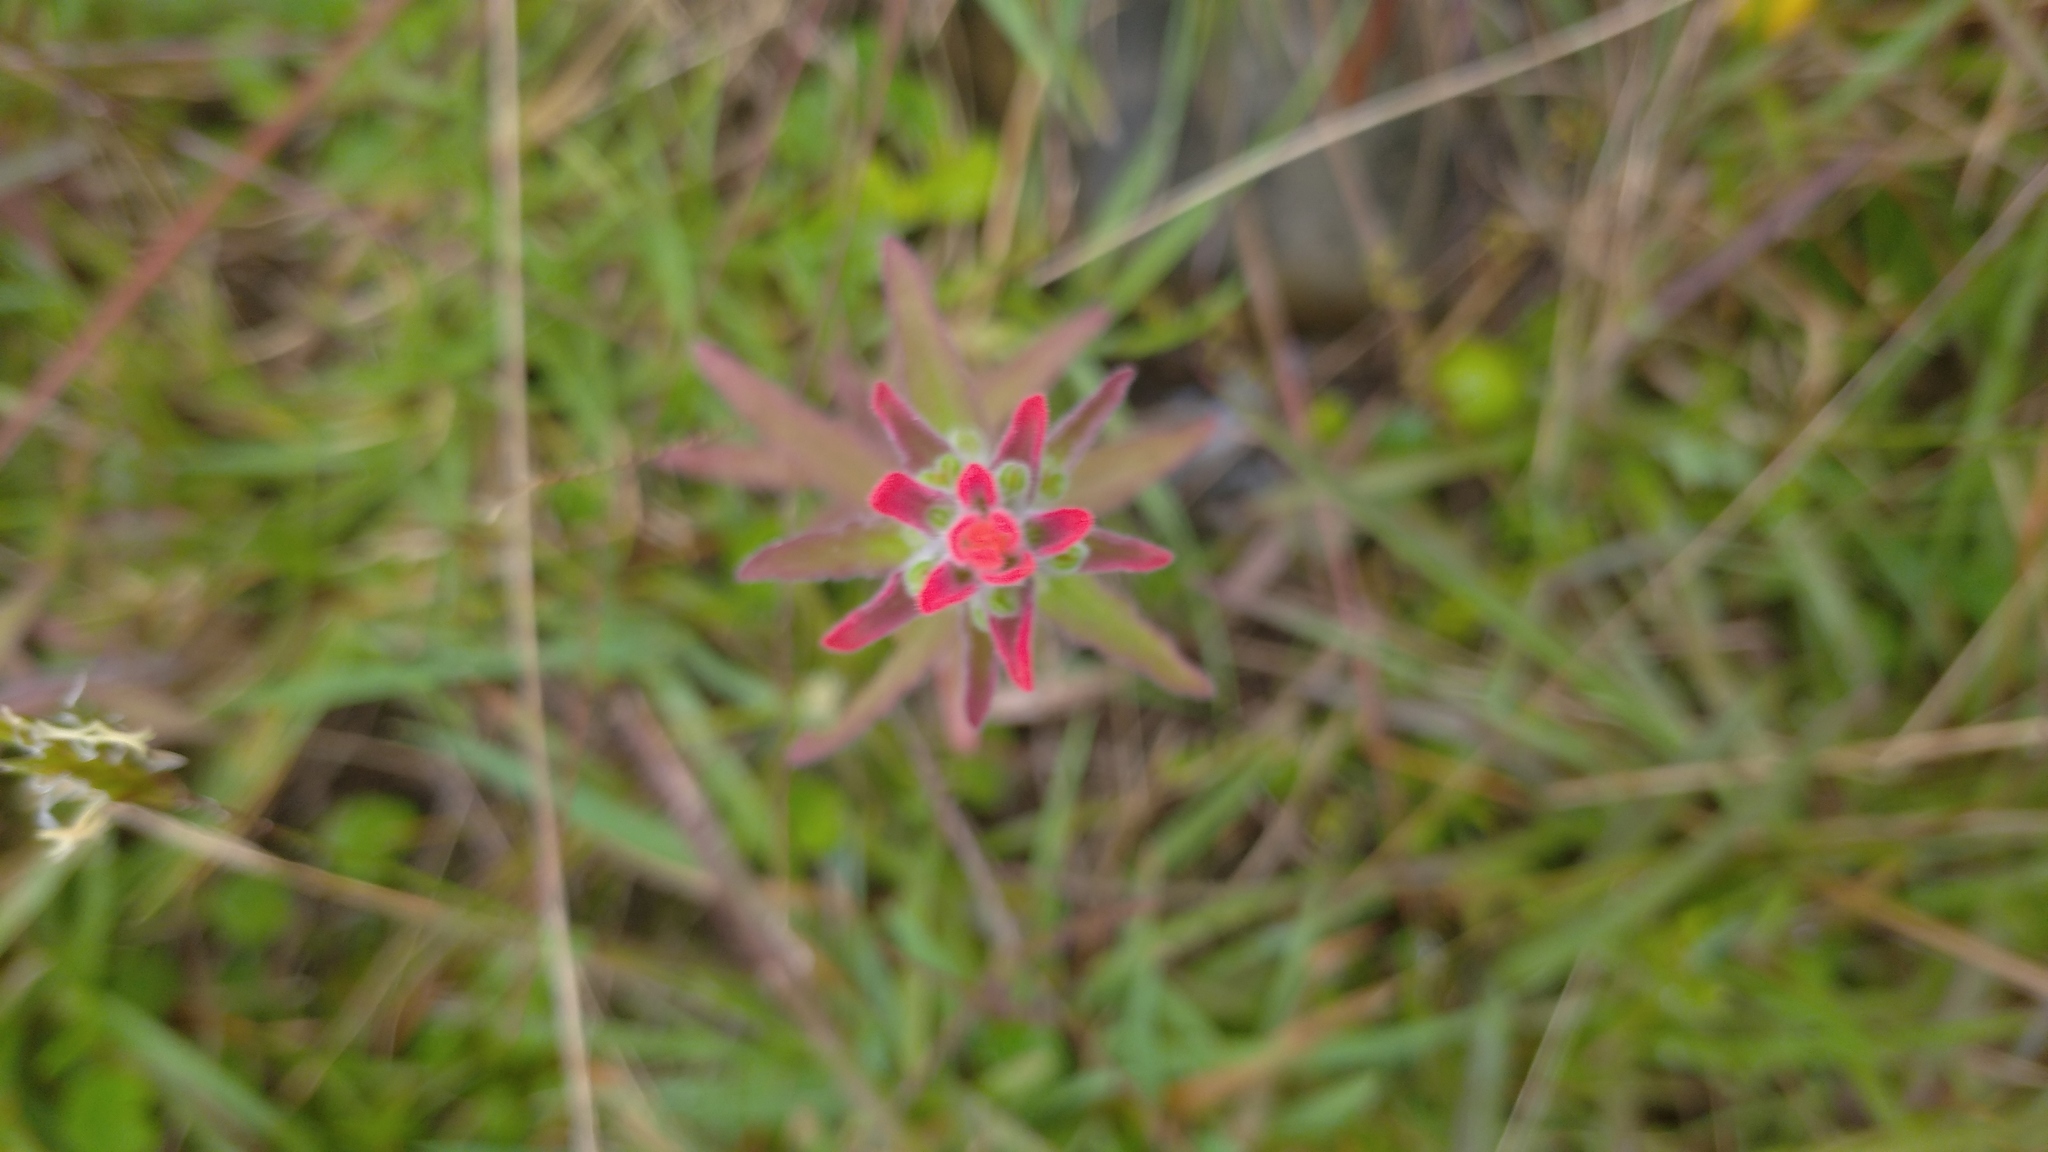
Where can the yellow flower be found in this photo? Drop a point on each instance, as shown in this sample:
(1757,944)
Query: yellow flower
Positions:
(1771,19)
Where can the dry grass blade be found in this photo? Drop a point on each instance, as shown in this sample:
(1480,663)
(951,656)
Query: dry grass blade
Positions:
(1689,287)
(515,559)
(997,921)
(2021,42)
(1943,937)
(1832,415)
(782,963)
(1256,162)
(178,235)
(1532,1103)
(242,856)
(1891,754)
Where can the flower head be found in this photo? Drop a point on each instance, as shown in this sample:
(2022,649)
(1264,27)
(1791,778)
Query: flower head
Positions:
(973,542)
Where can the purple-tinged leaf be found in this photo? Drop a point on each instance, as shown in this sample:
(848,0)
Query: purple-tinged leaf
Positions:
(840,552)
(981,677)
(850,397)
(817,448)
(933,375)
(950,682)
(1092,615)
(1108,480)
(1076,432)
(917,445)
(917,647)
(889,609)
(740,465)
(1012,638)
(1040,365)
(1115,552)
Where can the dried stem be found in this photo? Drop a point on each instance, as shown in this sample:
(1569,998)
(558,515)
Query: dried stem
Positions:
(515,560)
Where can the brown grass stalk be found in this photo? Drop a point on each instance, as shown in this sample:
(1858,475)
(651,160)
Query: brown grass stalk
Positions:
(515,560)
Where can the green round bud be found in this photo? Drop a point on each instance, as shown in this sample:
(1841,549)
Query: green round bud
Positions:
(915,575)
(1052,484)
(977,614)
(1012,479)
(939,517)
(968,441)
(1006,600)
(943,473)
(1069,561)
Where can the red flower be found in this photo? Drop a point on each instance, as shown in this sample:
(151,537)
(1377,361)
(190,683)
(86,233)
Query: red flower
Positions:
(973,544)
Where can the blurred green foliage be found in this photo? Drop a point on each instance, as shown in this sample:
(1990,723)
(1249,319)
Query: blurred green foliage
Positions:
(262,522)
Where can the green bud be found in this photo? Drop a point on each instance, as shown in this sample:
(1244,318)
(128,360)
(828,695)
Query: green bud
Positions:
(1052,484)
(1069,561)
(944,472)
(1012,478)
(915,575)
(1005,600)
(939,517)
(977,614)
(968,441)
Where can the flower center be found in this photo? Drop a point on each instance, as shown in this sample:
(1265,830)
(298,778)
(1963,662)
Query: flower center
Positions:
(985,543)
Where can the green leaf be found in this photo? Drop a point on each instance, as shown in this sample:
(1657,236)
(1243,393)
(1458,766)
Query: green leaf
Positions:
(1109,478)
(363,834)
(862,548)
(934,377)
(108,1108)
(248,911)
(1082,608)
(815,446)
(188,1074)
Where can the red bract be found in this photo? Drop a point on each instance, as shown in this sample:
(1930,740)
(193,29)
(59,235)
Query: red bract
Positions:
(974,544)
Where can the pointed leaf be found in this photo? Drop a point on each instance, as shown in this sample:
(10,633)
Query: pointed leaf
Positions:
(981,677)
(1096,617)
(1115,552)
(1012,638)
(840,552)
(742,465)
(917,647)
(1110,479)
(1039,366)
(820,449)
(889,609)
(934,377)
(917,445)
(1075,433)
